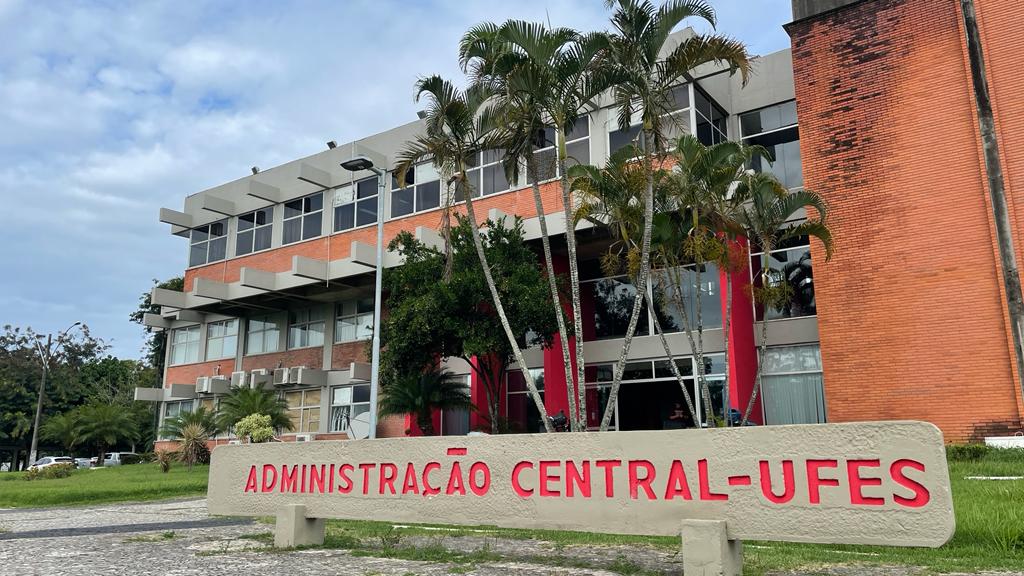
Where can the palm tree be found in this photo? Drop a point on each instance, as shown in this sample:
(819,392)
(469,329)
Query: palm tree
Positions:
(242,402)
(541,79)
(641,81)
(766,212)
(206,419)
(106,425)
(458,127)
(422,394)
(63,428)
(193,448)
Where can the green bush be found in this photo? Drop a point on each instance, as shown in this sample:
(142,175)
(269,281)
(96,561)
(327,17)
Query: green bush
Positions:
(50,472)
(967,452)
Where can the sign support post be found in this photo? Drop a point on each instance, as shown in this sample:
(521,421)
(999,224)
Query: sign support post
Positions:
(708,551)
(294,529)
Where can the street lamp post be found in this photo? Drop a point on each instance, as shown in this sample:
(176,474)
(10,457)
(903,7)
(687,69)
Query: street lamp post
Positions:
(355,165)
(44,359)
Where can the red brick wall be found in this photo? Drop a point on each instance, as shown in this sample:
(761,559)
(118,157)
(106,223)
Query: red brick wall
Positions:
(910,310)
(187,373)
(337,246)
(347,353)
(308,357)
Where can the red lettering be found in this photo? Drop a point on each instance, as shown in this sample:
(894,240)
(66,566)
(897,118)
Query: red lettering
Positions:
(858,482)
(409,485)
(456,485)
(302,480)
(705,484)
(788,484)
(921,494)
(677,486)
(636,482)
(251,483)
(577,478)
(269,486)
(388,475)
(815,481)
(429,490)
(330,480)
(366,467)
(546,476)
(516,486)
(480,468)
(609,480)
(289,480)
(343,472)
(316,478)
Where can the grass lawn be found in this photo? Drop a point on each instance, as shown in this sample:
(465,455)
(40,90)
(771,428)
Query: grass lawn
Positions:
(989,534)
(115,484)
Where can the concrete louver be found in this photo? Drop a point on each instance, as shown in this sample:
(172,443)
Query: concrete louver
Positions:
(265,192)
(315,176)
(218,205)
(175,218)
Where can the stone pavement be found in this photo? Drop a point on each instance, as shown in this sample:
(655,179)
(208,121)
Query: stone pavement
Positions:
(120,539)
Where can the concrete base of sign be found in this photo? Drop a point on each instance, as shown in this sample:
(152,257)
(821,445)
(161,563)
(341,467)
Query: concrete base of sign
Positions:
(294,529)
(707,550)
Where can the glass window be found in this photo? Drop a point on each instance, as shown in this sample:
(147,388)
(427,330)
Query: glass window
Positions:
(775,128)
(768,118)
(577,149)
(347,402)
(303,218)
(619,139)
(789,269)
(254,231)
(613,304)
(487,176)
(262,335)
(667,296)
(455,422)
(208,243)
(221,339)
(711,127)
(306,327)
(793,388)
(521,410)
(354,320)
(356,204)
(185,345)
(422,191)
(304,410)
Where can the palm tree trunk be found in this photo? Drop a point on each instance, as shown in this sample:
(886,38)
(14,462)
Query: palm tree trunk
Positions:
(675,369)
(531,168)
(641,289)
(489,278)
(574,282)
(764,343)
(702,381)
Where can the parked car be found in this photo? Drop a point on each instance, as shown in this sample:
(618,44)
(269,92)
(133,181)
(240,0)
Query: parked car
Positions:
(84,462)
(48,461)
(119,458)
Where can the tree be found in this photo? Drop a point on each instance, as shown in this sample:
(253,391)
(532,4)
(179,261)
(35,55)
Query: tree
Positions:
(429,320)
(242,402)
(423,393)
(766,214)
(541,84)
(201,417)
(457,129)
(255,428)
(156,340)
(193,448)
(105,426)
(65,429)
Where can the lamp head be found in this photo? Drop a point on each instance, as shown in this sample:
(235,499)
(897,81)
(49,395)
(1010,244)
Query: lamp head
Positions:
(358,163)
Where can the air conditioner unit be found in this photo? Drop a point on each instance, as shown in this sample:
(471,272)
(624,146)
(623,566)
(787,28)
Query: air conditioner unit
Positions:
(308,376)
(237,379)
(259,378)
(304,438)
(203,385)
(234,442)
(281,376)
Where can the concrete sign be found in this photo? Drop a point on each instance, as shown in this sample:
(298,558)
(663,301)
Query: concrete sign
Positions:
(866,483)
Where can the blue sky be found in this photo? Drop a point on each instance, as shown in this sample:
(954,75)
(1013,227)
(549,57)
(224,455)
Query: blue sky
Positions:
(110,110)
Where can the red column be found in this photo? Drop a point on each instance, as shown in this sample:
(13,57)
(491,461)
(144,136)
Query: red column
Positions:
(742,348)
(556,396)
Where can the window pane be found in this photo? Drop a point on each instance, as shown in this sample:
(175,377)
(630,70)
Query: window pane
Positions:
(197,254)
(679,97)
(577,153)
(263,217)
(271,339)
(344,217)
(410,179)
(218,229)
(243,243)
(262,240)
(200,234)
(401,202)
(637,371)
(364,327)
(792,267)
(665,287)
(426,173)
(342,395)
(346,330)
(316,334)
(366,188)
(580,129)
(246,221)
(494,179)
(361,393)
(313,203)
(292,231)
(366,212)
(428,195)
(218,249)
(617,139)
(293,208)
(364,305)
(312,397)
(545,164)
(312,225)
(613,305)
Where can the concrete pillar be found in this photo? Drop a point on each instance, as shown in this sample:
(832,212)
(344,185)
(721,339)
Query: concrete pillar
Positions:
(707,550)
(294,529)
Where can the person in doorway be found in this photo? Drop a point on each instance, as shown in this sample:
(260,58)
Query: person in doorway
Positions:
(676,417)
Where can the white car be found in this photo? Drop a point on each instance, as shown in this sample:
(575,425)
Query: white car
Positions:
(52,461)
(116,458)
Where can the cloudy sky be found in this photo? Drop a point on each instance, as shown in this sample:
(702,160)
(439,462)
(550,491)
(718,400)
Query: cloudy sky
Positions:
(110,110)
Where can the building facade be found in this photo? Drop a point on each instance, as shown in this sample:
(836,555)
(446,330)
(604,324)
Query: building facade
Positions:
(278,289)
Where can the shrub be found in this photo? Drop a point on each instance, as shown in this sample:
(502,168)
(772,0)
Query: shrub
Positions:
(164,459)
(50,472)
(193,445)
(255,427)
(967,452)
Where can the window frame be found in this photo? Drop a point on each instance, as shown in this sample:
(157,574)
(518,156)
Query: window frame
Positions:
(268,224)
(352,404)
(355,202)
(304,408)
(228,324)
(794,127)
(301,217)
(263,332)
(750,271)
(305,325)
(568,142)
(340,315)
(207,242)
(414,173)
(172,345)
(635,122)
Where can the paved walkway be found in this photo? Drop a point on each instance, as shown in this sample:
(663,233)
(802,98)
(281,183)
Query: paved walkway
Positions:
(121,539)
